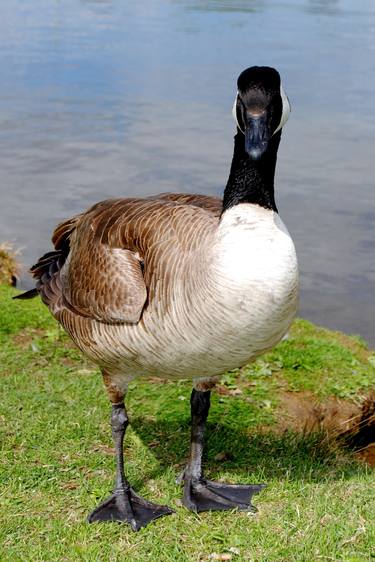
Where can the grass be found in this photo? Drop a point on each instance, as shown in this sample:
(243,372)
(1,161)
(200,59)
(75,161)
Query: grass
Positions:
(57,457)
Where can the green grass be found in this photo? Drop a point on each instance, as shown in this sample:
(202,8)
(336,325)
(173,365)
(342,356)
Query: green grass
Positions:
(57,459)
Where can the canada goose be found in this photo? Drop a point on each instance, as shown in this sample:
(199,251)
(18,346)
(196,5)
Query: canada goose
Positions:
(181,286)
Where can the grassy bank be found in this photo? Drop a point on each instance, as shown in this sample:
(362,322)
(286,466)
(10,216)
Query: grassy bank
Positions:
(57,456)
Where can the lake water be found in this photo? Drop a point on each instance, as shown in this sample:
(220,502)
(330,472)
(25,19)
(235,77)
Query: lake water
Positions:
(111,98)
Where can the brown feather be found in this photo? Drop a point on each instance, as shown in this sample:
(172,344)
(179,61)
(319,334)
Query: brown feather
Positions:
(109,260)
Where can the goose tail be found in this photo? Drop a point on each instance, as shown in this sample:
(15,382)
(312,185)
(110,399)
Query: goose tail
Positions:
(27,294)
(46,270)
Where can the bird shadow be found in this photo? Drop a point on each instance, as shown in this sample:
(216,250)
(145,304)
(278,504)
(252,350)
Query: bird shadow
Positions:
(268,455)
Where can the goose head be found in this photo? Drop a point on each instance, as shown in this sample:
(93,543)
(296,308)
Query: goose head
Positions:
(261,108)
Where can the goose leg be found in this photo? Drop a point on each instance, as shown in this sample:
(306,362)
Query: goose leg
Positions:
(201,494)
(124,504)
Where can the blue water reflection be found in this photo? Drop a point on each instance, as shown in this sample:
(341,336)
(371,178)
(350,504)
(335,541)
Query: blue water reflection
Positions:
(109,98)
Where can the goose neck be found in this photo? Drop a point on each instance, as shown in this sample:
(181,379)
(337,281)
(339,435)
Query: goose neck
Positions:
(251,181)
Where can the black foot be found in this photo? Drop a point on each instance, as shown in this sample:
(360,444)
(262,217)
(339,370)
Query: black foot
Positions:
(205,495)
(127,506)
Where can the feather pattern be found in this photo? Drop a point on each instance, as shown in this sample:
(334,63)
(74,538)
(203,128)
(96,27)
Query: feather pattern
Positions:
(162,286)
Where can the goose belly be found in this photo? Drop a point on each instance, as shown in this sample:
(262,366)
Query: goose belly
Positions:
(211,342)
(254,305)
(240,309)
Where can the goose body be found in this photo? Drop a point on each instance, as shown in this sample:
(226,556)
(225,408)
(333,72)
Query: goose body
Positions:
(221,291)
(181,286)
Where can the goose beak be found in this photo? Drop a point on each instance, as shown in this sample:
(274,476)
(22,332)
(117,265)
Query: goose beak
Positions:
(256,135)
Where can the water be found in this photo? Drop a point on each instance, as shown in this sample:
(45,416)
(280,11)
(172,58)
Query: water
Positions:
(109,98)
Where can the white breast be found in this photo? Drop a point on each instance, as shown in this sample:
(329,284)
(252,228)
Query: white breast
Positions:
(253,246)
(255,268)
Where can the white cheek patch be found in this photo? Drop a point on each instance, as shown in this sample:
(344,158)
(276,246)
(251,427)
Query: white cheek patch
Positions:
(286,109)
(234,113)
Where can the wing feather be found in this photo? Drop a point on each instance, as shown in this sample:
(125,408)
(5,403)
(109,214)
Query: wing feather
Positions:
(108,262)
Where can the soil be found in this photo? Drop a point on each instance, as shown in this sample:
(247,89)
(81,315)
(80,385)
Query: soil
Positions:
(342,420)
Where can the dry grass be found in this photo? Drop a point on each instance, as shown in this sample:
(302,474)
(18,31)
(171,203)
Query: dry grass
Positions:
(9,266)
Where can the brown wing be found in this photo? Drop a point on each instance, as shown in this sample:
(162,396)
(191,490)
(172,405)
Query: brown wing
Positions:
(89,277)
(119,250)
(212,204)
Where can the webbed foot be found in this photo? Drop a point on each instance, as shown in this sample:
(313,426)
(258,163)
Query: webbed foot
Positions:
(127,506)
(206,495)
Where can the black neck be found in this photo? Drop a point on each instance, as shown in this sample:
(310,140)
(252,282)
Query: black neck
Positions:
(252,181)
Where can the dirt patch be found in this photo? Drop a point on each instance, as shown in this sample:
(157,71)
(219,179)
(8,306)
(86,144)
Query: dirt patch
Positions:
(26,337)
(342,420)
(367,455)
(362,432)
(301,411)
